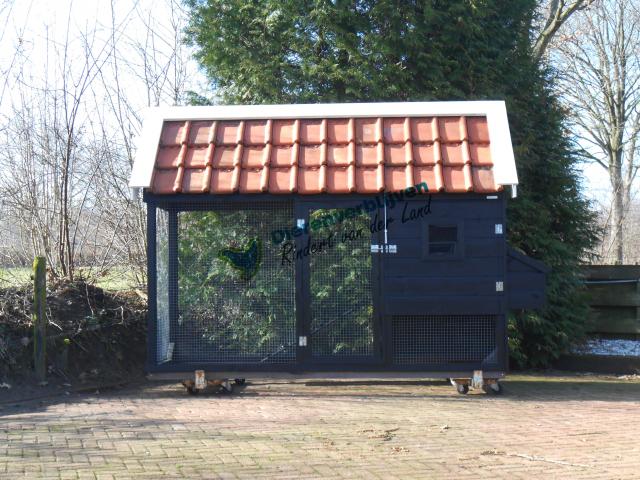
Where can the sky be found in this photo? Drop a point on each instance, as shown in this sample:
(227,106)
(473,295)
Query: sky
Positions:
(32,33)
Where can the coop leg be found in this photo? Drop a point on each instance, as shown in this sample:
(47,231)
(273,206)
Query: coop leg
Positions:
(477,381)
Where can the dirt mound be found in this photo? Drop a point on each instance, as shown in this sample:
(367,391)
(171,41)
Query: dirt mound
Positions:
(92,334)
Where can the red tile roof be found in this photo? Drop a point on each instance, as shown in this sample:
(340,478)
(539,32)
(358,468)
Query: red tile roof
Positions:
(332,155)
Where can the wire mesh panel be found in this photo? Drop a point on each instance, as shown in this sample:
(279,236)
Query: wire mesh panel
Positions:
(162,285)
(236,298)
(340,284)
(442,339)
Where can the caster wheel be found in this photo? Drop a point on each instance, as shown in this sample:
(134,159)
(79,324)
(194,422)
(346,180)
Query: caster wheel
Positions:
(493,388)
(462,389)
(239,381)
(192,391)
(227,388)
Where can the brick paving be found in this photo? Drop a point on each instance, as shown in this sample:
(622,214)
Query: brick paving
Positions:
(544,427)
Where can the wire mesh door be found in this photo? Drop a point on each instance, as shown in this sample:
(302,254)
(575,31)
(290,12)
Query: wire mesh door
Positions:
(341,304)
(235,297)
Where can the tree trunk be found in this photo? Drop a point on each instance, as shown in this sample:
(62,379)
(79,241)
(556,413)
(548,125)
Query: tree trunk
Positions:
(617,215)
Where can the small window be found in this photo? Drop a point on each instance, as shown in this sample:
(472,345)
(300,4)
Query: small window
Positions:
(443,240)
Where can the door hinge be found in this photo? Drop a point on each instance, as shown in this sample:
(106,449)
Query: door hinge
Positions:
(302,341)
(499,286)
(498,229)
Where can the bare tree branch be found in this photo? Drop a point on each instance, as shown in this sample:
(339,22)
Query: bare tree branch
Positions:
(557,13)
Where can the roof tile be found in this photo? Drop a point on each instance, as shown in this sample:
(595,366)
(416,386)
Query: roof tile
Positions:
(480,154)
(196,157)
(395,179)
(397,154)
(194,180)
(224,157)
(254,156)
(425,154)
(280,180)
(336,155)
(312,155)
(431,175)
(251,180)
(394,130)
(228,133)
(282,156)
(450,130)
(367,180)
(164,181)
(423,130)
(168,157)
(478,129)
(455,180)
(483,181)
(199,133)
(222,181)
(368,130)
(284,132)
(172,133)
(312,132)
(311,180)
(255,132)
(453,153)
(369,155)
(338,179)
(338,131)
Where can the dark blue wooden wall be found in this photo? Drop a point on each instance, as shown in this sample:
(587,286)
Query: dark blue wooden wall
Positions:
(414,283)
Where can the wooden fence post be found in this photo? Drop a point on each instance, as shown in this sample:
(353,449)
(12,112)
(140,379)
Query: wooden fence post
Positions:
(40,317)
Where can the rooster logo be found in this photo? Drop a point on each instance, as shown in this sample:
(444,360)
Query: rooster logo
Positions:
(245,260)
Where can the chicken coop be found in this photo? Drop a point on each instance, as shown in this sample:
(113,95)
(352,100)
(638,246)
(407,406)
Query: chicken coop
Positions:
(331,240)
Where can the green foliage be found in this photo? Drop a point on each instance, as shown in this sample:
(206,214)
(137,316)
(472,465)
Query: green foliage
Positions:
(221,309)
(224,312)
(286,51)
(340,286)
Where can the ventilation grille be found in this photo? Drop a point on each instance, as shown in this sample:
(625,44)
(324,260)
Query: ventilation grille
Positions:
(444,339)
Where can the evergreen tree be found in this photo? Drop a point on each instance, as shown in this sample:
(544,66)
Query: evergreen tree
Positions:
(297,51)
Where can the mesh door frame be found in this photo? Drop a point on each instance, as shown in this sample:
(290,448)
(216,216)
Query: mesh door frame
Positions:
(173,205)
(375,361)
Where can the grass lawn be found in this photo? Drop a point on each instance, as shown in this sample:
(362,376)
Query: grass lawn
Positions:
(119,278)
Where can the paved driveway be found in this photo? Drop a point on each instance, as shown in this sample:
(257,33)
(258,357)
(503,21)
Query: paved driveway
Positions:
(542,427)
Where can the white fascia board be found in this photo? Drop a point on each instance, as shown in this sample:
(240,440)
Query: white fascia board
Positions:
(504,163)
(147,149)
(495,111)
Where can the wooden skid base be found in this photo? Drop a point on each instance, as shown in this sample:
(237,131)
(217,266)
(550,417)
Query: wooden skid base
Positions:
(308,376)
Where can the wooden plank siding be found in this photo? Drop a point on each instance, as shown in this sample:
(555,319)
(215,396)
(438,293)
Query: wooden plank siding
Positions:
(614,298)
(415,283)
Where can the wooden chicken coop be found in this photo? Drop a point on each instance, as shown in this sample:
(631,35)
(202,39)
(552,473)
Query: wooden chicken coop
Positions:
(331,240)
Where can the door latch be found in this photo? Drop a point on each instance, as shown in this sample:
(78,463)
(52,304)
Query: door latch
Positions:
(384,248)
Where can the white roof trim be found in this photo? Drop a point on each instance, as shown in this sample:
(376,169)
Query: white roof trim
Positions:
(501,150)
